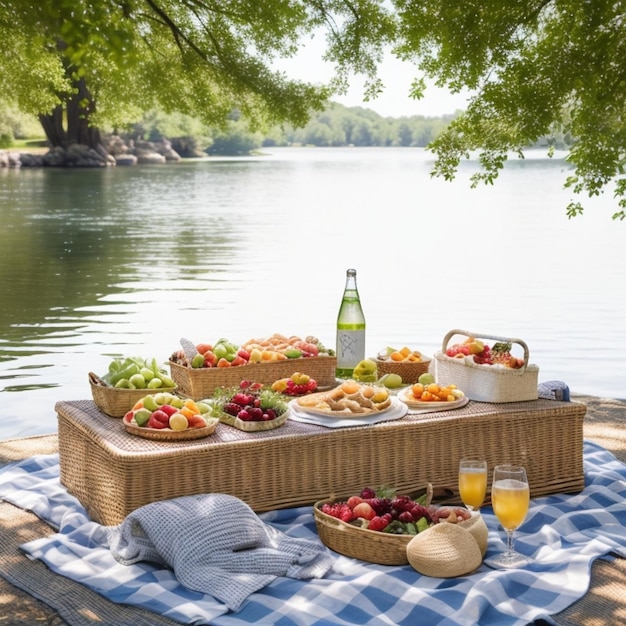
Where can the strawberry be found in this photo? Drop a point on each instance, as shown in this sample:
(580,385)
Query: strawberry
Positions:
(378,523)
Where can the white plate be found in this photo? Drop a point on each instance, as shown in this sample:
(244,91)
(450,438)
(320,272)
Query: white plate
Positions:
(395,411)
(428,407)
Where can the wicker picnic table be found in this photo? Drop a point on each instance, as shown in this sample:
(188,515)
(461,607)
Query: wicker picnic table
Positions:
(113,472)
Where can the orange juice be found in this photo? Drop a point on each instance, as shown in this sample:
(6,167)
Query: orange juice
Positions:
(473,486)
(510,499)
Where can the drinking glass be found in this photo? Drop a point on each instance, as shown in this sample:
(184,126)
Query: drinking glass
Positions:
(472,482)
(510,498)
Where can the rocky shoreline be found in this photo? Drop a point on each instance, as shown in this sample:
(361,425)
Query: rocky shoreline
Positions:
(114,151)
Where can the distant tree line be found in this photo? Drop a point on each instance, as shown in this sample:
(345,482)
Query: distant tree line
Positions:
(336,126)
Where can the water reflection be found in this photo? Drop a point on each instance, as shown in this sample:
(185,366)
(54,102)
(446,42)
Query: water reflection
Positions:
(102,263)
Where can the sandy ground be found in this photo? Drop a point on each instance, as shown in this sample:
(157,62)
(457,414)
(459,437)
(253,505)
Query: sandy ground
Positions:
(605,424)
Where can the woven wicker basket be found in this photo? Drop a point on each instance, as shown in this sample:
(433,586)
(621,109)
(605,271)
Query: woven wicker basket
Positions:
(167,434)
(200,383)
(359,543)
(117,402)
(487,383)
(409,371)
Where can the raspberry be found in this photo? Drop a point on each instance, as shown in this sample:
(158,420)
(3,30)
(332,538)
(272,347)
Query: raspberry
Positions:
(402,503)
(340,510)
(418,511)
(231,408)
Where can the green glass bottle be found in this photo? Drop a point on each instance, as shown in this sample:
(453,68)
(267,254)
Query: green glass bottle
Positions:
(350,329)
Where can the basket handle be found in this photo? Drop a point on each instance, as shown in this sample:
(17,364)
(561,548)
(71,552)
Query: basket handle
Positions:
(456,331)
(94,379)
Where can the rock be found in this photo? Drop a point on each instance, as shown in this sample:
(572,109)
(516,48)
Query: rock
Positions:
(10,159)
(31,160)
(150,158)
(126,159)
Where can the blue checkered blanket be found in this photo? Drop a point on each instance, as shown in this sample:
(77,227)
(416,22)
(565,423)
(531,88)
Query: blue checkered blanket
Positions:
(562,533)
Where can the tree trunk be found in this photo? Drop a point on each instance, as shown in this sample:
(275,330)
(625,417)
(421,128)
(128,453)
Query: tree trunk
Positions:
(80,108)
(78,111)
(52,124)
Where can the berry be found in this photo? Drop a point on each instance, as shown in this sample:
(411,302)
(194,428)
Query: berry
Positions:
(402,503)
(340,510)
(405,517)
(378,523)
(368,493)
(380,505)
(231,408)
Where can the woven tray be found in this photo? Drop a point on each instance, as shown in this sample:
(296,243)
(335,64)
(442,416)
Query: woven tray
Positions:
(200,383)
(409,371)
(253,426)
(117,402)
(487,383)
(167,434)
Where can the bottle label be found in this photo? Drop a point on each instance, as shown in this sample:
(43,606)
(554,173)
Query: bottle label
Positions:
(350,348)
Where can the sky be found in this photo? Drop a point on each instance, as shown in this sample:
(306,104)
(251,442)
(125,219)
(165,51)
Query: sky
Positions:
(396,76)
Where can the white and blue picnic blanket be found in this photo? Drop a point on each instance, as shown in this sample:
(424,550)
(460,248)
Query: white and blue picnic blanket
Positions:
(562,533)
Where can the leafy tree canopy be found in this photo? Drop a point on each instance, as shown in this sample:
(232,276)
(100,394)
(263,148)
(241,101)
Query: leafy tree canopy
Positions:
(118,58)
(536,67)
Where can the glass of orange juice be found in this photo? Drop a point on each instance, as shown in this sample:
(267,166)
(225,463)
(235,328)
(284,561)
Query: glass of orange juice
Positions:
(510,498)
(472,482)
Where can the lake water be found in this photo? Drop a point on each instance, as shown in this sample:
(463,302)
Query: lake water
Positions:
(116,262)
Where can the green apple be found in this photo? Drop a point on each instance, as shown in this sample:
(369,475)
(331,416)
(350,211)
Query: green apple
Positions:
(176,402)
(391,381)
(147,373)
(366,371)
(197,361)
(203,407)
(142,416)
(138,381)
(150,403)
(426,378)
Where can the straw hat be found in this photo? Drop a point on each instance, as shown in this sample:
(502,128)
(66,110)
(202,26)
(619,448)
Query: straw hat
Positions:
(476,525)
(445,550)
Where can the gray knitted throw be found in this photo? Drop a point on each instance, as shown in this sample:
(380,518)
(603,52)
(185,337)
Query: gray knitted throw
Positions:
(215,544)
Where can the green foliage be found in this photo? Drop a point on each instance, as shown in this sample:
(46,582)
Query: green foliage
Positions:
(549,71)
(235,142)
(537,68)
(196,58)
(356,126)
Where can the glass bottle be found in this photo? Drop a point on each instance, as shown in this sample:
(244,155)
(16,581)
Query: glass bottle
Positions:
(350,329)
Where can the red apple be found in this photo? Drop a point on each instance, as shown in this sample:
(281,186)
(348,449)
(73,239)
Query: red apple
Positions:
(210,360)
(364,510)
(160,416)
(354,500)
